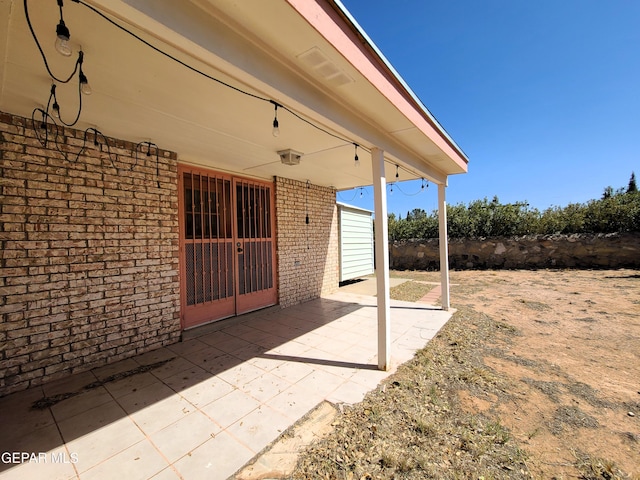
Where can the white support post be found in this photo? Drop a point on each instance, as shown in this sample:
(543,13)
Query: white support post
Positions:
(444,246)
(382,258)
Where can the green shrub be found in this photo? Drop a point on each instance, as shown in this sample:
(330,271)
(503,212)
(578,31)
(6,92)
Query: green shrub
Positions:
(616,211)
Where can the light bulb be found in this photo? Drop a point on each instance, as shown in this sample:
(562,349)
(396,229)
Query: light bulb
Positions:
(84,84)
(55,110)
(62,39)
(357,161)
(276,128)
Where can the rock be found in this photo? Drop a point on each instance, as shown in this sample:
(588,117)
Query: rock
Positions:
(631,414)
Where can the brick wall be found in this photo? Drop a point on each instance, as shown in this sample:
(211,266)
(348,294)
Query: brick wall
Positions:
(307,253)
(88,254)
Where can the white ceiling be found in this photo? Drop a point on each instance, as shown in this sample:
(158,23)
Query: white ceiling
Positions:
(264,48)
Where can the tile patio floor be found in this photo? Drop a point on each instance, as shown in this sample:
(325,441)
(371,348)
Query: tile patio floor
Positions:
(222,395)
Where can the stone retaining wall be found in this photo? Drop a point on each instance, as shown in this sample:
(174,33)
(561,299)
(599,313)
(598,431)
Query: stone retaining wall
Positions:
(536,251)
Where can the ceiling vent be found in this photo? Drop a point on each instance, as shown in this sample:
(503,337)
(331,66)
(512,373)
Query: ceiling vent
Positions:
(290,157)
(324,68)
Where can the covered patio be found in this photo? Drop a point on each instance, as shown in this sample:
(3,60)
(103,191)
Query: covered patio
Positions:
(198,179)
(206,406)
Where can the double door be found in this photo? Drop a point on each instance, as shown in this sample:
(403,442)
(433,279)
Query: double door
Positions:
(227,246)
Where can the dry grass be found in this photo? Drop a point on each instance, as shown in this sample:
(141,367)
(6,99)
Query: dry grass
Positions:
(509,388)
(414,427)
(410,291)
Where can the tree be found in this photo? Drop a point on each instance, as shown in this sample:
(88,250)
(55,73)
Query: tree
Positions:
(632,184)
(608,192)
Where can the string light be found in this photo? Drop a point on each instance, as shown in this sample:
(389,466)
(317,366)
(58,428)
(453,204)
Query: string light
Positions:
(62,36)
(62,39)
(55,109)
(84,83)
(85,88)
(276,125)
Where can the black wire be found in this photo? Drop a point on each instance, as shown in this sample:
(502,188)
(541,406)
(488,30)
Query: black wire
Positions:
(239,90)
(149,145)
(79,108)
(422,189)
(193,69)
(44,58)
(96,132)
(44,125)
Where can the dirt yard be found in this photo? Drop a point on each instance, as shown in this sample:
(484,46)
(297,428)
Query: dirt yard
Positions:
(536,376)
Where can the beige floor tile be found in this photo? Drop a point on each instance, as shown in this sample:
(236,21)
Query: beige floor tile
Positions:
(254,379)
(86,400)
(321,382)
(216,459)
(138,462)
(334,347)
(370,378)
(69,384)
(208,390)
(100,442)
(205,358)
(131,384)
(187,378)
(295,402)
(55,464)
(215,338)
(349,392)
(260,427)
(145,396)
(188,347)
(361,354)
(221,364)
(155,356)
(248,352)
(232,344)
(292,371)
(291,348)
(91,420)
(262,338)
(266,362)
(230,408)
(161,414)
(114,368)
(312,339)
(17,418)
(238,329)
(168,473)
(264,387)
(185,435)
(173,367)
(240,374)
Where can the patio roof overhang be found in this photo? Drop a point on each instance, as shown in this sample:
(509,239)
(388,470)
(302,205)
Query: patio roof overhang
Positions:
(309,56)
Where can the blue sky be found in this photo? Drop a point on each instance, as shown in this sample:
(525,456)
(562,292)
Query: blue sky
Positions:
(543,96)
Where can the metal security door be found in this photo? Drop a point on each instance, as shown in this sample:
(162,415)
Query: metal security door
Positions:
(227,246)
(206,247)
(255,246)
